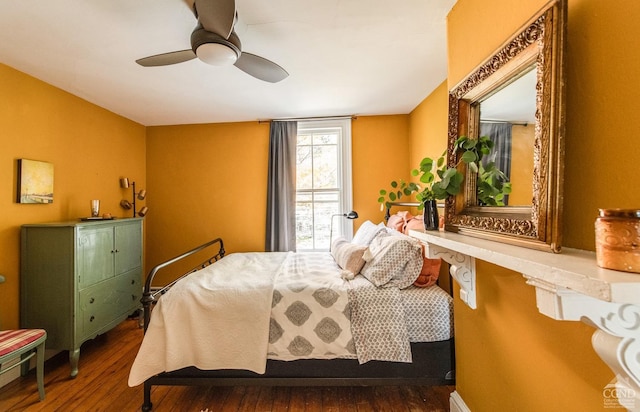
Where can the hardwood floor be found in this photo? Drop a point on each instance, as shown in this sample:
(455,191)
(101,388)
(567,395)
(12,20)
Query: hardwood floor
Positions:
(101,385)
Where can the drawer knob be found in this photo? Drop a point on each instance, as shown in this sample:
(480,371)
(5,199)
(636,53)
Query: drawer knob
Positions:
(92,300)
(133,281)
(91,318)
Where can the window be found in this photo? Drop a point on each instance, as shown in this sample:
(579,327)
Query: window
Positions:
(323,183)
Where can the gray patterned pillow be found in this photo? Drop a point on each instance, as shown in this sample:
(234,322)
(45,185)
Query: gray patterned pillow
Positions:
(392,261)
(347,255)
(366,232)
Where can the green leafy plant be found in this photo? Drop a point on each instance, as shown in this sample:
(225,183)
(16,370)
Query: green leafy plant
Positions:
(398,189)
(438,181)
(493,185)
(435,183)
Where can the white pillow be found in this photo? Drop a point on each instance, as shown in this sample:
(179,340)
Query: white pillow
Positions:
(366,232)
(347,255)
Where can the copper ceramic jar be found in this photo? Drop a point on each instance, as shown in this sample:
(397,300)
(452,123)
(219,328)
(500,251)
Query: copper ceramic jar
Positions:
(618,239)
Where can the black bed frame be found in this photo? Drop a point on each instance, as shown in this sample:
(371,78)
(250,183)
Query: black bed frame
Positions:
(433,362)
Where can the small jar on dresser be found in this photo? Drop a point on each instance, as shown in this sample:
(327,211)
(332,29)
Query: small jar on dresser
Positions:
(79,279)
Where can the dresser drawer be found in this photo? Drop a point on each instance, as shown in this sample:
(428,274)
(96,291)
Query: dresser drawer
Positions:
(130,286)
(101,303)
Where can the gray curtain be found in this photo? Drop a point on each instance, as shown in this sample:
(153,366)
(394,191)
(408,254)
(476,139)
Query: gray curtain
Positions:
(500,134)
(281,187)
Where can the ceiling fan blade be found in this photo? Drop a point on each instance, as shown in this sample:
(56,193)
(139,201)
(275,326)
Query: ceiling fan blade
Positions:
(166,59)
(261,68)
(216,16)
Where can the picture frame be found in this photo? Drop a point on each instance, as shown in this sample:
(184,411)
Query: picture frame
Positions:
(35,182)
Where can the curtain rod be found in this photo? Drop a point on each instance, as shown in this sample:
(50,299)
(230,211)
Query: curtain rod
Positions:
(304,119)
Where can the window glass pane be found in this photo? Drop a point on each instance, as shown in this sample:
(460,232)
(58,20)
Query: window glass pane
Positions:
(325,138)
(304,225)
(304,168)
(325,167)
(304,139)
(322,224)
(319,189)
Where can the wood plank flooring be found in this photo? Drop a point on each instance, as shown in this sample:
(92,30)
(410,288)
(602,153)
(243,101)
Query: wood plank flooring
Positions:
(101,385)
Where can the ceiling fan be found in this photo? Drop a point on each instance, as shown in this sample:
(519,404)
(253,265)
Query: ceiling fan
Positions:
(215,42)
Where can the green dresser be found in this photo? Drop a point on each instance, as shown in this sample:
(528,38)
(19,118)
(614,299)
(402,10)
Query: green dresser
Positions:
(79,279)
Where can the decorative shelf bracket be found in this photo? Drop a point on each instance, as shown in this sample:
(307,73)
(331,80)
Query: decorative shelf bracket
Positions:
(616,340)
(569,287)
(463,270)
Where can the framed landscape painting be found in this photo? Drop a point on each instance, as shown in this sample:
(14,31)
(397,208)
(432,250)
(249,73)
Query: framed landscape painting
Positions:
(35,182)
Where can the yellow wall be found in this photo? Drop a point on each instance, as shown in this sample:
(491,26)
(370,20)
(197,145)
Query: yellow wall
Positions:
(90,148)
(523,139)
(428,126)
(524,360)
(208,181)
(380,155)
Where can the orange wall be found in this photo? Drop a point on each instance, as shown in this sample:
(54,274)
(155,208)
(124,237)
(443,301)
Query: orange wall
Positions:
(525,360)
(90,148)
(523,139)
(208,181)
(429,126)
(380,155)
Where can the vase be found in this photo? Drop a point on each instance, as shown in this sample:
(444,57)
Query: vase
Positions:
(618,239)
(430,215)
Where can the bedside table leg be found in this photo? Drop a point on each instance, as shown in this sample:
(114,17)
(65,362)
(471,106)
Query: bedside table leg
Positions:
(74,358)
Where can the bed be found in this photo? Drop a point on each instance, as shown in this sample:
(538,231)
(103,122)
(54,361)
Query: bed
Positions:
(354,316)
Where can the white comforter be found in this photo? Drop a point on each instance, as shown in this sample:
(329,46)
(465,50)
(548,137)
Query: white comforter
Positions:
(219,296)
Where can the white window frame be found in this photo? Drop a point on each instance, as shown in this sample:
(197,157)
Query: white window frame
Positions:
(341,225)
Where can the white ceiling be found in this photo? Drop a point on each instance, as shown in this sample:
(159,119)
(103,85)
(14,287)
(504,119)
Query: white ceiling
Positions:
(344,57)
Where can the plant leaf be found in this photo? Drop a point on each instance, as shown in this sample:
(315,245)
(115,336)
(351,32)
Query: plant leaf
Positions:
(469,157)
(427,178)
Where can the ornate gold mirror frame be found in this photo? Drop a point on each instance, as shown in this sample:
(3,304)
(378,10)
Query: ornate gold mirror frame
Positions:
(539,44)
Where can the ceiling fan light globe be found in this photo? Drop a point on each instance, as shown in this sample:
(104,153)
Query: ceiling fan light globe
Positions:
(216,54)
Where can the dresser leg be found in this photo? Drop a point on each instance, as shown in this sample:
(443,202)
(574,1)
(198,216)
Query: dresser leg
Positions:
(74,358)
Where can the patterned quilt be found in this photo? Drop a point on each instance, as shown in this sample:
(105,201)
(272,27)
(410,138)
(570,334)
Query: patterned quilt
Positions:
(316,314)
(310,310)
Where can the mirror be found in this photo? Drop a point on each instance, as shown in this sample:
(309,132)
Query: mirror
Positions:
(516,97)
(508,118)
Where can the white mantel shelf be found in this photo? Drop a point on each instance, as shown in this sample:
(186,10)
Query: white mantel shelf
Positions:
(573,269)
(569,287)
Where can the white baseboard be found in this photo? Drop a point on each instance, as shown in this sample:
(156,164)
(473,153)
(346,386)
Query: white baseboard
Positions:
(456,404)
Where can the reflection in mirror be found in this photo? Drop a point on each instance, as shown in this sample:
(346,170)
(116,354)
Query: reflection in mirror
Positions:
(508,118)
(531,154)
